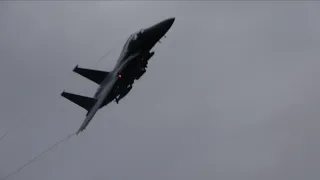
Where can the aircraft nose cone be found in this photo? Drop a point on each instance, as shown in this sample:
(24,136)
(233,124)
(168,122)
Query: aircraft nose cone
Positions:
(171,20)
(154,33)
(167,23)
(162,27)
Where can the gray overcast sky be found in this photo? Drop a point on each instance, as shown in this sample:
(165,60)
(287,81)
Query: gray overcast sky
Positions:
(231,94)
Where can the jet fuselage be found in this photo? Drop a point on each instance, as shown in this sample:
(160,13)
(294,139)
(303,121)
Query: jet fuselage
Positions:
(130,66)
(138,46)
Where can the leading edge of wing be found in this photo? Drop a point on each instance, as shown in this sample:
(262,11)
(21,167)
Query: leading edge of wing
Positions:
(97,105)
(90,115)
(104,95)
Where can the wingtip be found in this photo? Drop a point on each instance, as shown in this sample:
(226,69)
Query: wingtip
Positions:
(79,131)
(76,67)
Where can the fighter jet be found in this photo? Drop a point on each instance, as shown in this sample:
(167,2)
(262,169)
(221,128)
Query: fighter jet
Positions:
(131,65)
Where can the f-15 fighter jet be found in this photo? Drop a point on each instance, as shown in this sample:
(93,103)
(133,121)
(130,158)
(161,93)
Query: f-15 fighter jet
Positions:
(131,65)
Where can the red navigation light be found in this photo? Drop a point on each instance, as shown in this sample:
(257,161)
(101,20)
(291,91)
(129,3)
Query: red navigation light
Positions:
(119,75)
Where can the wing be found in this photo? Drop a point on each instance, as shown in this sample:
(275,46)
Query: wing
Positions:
(97,105)
(84,102)
(105,92)
(93,75)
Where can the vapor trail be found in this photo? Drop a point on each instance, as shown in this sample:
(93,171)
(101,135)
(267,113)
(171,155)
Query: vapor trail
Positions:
(114,47)
(38,156)
(105,55)
(10,131)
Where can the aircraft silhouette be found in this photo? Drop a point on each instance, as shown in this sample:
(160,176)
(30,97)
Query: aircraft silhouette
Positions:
(131,65)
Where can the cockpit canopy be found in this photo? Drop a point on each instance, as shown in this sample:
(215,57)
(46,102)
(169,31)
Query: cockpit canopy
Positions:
(133,41)
(141,31)
(137,34)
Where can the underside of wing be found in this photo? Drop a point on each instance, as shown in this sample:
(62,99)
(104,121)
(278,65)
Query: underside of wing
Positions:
(85,102)
(93,75)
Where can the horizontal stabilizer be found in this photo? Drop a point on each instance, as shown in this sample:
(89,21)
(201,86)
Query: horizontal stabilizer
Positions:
(85,102)
(93,75)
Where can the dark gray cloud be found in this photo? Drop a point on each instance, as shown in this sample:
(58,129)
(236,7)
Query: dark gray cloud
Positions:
(232,93)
